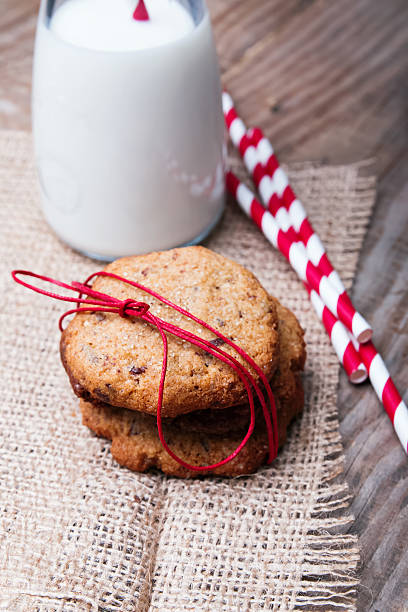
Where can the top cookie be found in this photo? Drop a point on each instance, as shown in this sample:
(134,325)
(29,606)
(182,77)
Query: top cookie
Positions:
(118,361)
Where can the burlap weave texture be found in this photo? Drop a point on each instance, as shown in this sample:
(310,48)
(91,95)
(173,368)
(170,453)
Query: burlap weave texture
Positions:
(77,532)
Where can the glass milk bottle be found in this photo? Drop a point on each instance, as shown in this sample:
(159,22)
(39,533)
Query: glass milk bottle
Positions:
(127,122)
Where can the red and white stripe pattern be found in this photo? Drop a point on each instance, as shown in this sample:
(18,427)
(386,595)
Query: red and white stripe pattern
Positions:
(295,208)
(377,371)
(386,391)
(340,339)
(338,335)
(303,227)
(293,219)
(342,344)
(283,232)
(249,154)
(256,151)
(296,256)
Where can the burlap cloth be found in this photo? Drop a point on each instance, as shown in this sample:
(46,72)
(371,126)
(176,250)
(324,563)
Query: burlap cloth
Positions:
(77,532)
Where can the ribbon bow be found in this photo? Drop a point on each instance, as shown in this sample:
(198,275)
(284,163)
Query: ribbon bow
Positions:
(102,302)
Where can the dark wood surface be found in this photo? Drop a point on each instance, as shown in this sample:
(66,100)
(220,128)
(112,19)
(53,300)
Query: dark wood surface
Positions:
(327,79)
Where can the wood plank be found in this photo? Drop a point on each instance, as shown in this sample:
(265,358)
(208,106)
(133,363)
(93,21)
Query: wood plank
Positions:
(328,82)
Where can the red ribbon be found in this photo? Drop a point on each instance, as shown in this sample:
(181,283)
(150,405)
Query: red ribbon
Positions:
(101,302)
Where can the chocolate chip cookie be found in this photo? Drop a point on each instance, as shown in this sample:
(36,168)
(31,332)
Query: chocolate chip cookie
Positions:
(117,360)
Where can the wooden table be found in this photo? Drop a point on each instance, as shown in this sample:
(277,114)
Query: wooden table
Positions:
(328,79)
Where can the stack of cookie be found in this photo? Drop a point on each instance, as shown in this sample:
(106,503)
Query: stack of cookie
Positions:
(114,364)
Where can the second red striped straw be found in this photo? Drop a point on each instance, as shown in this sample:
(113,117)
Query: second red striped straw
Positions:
(341,305)
(344,348)
(340,339)
(295,255)
(378,373)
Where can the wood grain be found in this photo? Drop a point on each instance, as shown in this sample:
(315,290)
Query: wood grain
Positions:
(328,81)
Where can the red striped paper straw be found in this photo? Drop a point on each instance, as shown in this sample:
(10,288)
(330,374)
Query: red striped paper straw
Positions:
(340,339)
(386,391)
(347,354)
(295,208)
(262,180)
(379,376)
(377,371)
(294,253)
(343,307)
(315,249)
(140,12)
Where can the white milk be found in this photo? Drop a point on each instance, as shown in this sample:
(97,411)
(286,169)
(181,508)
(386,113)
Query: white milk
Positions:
(128,126)
(107,25)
